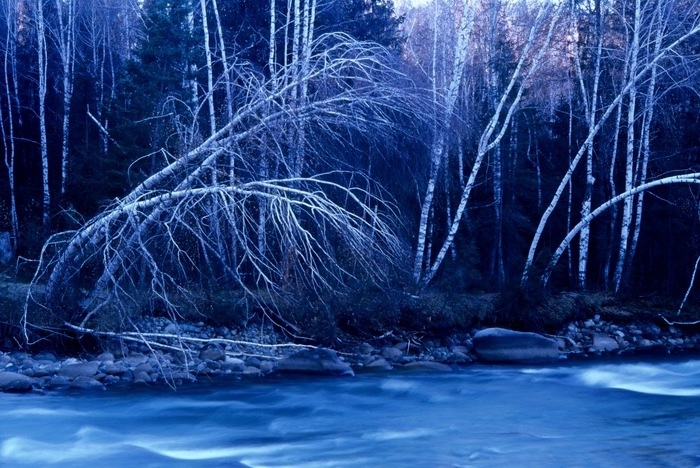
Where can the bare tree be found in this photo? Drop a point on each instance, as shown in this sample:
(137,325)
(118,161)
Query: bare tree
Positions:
(42,62)
(531,58)
(671,41)
(162,238)
(691,178)
(12,100)
(66,38)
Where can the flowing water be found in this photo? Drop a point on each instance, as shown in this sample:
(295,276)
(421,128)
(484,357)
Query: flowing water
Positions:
(626,414)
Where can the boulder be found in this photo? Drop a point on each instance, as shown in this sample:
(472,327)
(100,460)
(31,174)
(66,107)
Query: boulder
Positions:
(319,361)
(212,353)
(15,383)
(379,364)
(508,346)
(86,383)
(83,369)
(604,343)
(390,353)
(427,366)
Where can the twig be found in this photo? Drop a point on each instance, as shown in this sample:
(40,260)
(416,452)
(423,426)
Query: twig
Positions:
(690,286)
(140,337)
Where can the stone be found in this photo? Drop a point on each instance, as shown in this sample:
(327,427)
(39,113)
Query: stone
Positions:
(366,348)
(106,357)
(391,353)
(114,369)
(234,365)
(45,356)
(7,377)
(501,345)
(319,361)
(379,364)
(212,353)
(459,358)
(267,366)
(604,343)
(14,383)
(142,377)
(251,371)
(83,369)
(402,346)
(86,383)
(58,381)
(427,366)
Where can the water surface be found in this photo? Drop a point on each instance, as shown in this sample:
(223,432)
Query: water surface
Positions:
(615,414)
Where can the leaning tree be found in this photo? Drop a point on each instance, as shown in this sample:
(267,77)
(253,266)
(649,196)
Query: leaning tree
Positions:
(196,223)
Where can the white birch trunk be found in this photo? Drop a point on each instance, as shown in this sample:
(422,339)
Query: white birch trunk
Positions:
(66,41)
(591,118)
(498,124)
(9,62)
(631,82)
(210,69)
(646,137)
(42,66)
(693,178)
(224,61)
(441,133)
(630,159)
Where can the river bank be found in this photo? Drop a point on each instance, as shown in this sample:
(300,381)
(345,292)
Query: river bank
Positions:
(178,354)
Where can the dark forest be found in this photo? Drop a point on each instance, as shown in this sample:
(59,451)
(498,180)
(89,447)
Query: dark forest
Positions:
(158,153)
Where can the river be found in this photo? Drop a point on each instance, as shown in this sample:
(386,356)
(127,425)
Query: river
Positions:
(587,414)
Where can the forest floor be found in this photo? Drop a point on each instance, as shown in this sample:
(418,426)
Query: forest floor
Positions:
(369,331)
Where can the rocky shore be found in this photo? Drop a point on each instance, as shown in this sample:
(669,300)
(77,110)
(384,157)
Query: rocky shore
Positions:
(184,353)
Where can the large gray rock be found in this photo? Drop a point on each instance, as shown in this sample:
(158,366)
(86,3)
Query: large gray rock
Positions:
(14,382)
(314,361)
(501,345)
(82,369)
(604,343)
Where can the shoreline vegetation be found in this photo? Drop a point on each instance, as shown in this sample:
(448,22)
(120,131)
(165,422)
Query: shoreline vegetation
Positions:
(432,332)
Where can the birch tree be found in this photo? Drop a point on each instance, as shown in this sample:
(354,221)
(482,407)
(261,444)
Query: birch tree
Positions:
(589,95)
(161,239)
(66,38)
(42,60)
(532,54)
(446,104)
(670,45)
(12,108)
(691,178)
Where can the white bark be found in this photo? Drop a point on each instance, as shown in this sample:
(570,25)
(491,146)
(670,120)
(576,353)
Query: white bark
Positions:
(210,68)
(630,160)
(632,81)
(10,60)
(442,129)
(42,66)
(590,110)
(642,168)
(693,178)
(156,232)
(498,124)
(224,61)
(66,40)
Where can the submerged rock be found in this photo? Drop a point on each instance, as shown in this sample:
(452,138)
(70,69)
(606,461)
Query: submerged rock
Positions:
(427,366)
(320,361)
(501,345)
